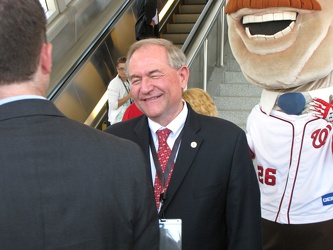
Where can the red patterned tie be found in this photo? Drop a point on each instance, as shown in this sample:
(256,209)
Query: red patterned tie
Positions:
(163,155)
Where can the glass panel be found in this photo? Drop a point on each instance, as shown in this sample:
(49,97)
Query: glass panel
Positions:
(44,4)
(50,9)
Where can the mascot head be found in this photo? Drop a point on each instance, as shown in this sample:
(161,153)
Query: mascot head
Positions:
(283,45)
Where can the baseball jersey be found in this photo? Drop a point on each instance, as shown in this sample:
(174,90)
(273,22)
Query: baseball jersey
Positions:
(294,165)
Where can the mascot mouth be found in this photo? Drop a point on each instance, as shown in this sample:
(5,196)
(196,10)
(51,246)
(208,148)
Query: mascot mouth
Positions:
(269,26)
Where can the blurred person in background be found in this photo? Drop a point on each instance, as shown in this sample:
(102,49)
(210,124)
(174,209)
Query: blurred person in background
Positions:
(200,101)
(147,24)
(131,112)
(119,95)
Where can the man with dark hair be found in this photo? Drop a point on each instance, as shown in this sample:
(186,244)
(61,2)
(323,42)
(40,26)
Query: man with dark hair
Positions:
(63,185)
(119,95)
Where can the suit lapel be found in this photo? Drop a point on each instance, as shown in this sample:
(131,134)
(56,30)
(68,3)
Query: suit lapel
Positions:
(142,132)
(189,147)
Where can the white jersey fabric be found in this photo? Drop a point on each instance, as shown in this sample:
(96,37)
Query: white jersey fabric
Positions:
(294,156)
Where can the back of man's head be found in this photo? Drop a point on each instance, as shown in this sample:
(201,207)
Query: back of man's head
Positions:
(22,33)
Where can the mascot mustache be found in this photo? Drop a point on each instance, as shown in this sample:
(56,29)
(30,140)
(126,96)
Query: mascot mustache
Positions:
(235,5)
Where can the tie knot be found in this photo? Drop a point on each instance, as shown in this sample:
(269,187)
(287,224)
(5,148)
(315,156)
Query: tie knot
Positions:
(163,134)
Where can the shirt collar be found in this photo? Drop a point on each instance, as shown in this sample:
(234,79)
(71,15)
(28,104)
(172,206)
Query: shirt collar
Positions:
(176,125)
(20,97)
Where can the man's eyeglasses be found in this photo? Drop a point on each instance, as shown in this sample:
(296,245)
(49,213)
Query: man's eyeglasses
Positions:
(121,69)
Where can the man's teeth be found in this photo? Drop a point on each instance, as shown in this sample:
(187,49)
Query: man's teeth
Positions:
(152,98)
(270,17)
(282,16)
(270,37)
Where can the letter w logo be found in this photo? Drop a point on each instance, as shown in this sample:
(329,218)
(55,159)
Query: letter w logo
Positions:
(320,136)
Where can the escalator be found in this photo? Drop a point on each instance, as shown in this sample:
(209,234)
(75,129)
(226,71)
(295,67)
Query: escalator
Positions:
(182,20)
(81,93)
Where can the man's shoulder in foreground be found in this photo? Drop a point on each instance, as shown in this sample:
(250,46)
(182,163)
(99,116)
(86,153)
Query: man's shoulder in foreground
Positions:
(128,126)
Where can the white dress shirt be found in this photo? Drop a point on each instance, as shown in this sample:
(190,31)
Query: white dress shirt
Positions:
(175,126)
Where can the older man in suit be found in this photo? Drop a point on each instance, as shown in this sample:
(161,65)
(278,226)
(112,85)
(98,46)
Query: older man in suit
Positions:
(209,183)
(63,185)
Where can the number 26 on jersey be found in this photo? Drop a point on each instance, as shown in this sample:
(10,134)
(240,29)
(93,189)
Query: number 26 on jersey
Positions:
(267,176)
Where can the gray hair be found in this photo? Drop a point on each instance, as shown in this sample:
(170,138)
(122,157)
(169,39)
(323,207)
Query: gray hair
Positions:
(176,56)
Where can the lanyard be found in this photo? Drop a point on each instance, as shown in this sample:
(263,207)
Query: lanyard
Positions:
(164,176)
(126,87)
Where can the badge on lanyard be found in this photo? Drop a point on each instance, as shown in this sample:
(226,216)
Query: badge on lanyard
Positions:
(170,234)
(170,229)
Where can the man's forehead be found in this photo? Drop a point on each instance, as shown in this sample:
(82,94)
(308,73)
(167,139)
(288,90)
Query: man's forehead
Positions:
(151,51)
(145,71)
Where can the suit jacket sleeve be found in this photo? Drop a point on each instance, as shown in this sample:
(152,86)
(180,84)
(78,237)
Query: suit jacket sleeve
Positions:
(145,224)
(243,201)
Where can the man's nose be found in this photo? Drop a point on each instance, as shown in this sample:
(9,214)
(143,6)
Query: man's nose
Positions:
(146,84)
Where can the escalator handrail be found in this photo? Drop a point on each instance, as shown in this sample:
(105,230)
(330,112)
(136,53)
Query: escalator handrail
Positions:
(195,39)
(196,25)
(61,84)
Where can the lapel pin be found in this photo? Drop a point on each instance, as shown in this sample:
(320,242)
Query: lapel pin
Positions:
(193,144)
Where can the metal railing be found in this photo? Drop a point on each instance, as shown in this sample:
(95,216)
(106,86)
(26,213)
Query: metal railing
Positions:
(204,46)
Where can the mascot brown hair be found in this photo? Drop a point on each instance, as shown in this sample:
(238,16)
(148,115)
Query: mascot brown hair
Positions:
(286,47)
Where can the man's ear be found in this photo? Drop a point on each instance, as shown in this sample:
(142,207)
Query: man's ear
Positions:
(184,74)
(46,58)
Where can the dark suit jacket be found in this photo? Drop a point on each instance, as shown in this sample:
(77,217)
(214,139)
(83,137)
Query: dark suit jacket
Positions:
(213,188)
(64,185)
(145,11)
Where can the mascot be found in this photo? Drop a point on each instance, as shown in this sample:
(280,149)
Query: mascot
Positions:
(286,47)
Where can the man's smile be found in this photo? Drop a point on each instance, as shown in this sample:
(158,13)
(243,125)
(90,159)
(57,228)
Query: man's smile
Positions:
(151,98)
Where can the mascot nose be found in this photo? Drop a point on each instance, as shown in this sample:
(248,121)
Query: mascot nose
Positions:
(292,103)
(235,5)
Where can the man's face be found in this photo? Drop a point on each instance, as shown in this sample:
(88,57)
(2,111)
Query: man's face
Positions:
(155,86)
(121,70)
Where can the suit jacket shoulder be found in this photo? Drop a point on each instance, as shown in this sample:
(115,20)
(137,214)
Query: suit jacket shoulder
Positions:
(60,179)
